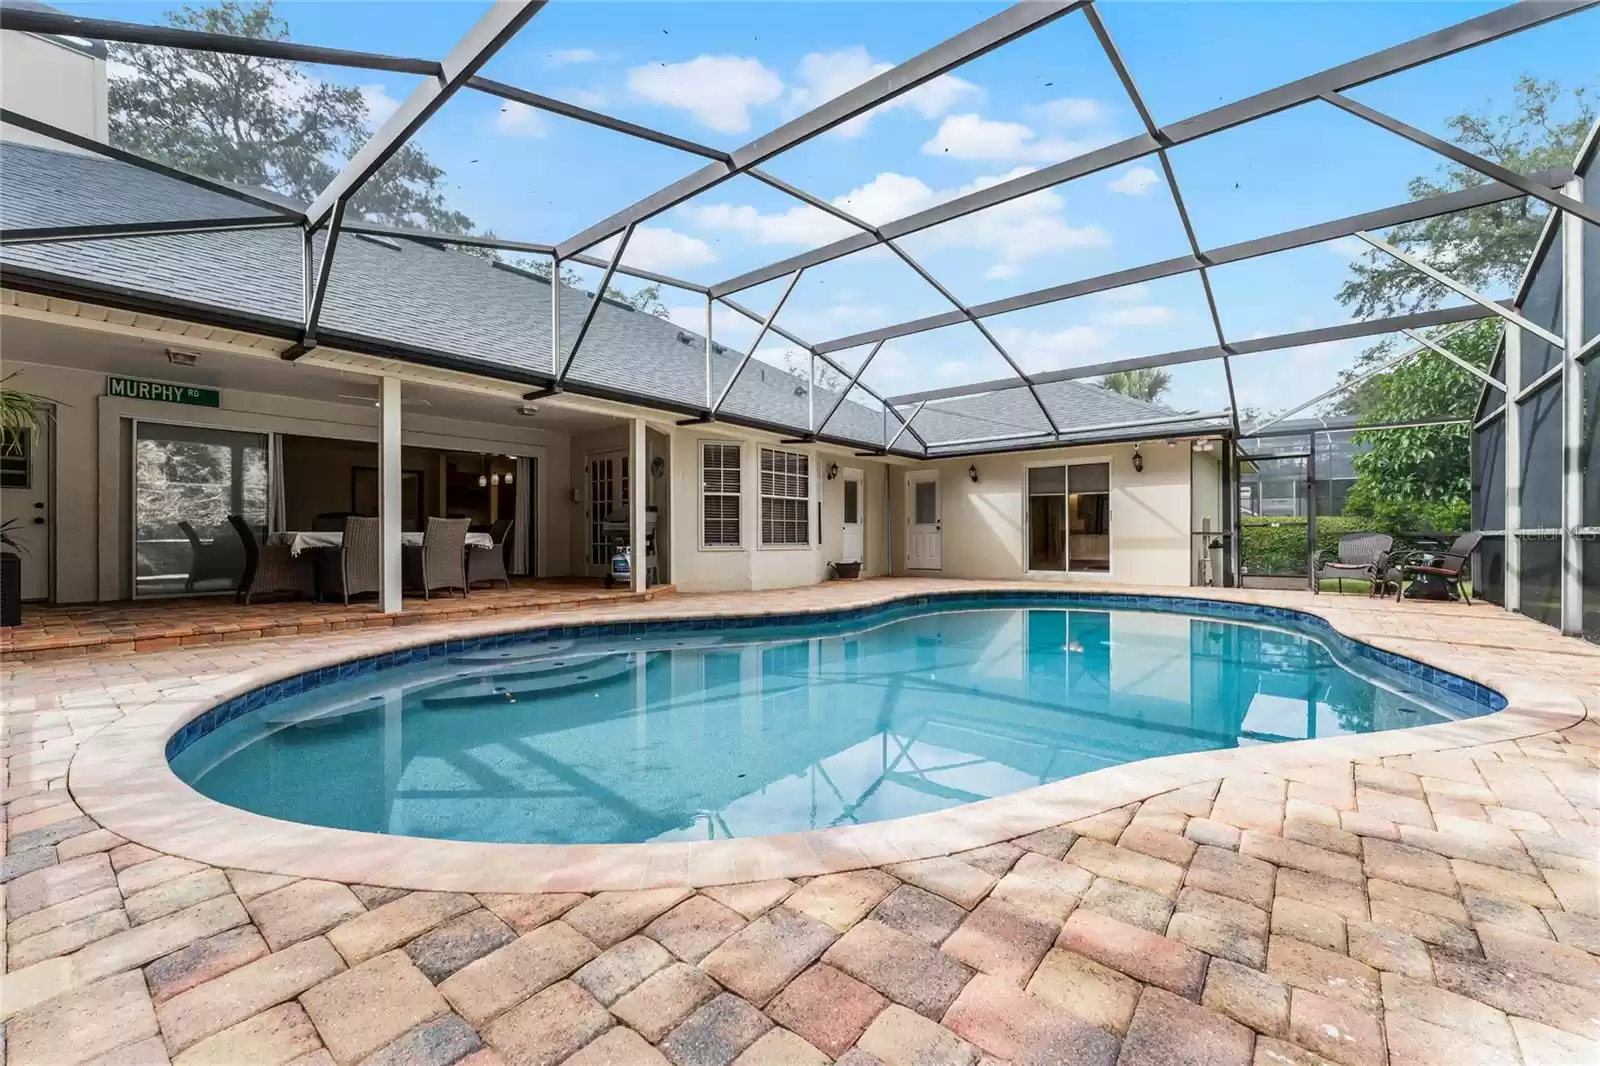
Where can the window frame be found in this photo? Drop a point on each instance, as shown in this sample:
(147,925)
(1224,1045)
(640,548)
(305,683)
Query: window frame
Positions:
(806,500)
(737,496)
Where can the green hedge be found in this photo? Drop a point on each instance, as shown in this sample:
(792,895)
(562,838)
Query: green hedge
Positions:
(1278,545)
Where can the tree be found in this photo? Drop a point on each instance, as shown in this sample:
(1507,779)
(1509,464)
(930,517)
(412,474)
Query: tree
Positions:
(262,122)
(1420,477)
(1485,247)
(1146,384)
(646,298)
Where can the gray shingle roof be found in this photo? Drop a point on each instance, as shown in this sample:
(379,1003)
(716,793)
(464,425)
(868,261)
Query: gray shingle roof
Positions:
(404,296)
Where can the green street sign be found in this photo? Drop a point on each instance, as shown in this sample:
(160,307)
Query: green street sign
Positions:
(134,389)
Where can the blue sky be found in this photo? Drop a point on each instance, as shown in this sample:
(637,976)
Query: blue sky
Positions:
(722,73)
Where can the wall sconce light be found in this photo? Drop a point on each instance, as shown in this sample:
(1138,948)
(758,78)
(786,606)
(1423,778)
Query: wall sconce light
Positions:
(833,471)
(658,466)
(509,478)
(972,474)
(1138,463)
(483,482)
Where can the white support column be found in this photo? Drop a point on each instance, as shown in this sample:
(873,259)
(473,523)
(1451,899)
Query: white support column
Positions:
(638,499)
(1513,474)
(1572,417)
(389,505)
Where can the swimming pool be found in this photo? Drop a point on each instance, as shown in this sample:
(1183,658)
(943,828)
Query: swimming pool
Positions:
(737,728)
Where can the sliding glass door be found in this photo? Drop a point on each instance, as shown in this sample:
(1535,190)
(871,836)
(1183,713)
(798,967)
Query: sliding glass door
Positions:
(1069,517)
(187,480)
(1089,517)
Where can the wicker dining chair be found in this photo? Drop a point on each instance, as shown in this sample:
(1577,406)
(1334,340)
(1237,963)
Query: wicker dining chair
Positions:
(357,565)
(440,561)
(213,561)
(270,567)
(489,564)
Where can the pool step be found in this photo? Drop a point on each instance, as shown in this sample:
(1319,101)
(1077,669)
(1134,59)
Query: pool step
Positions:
(534,653)
(516,653)
(478,692)
(321,717)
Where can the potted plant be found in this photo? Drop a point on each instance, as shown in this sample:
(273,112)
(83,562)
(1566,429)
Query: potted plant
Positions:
(20,412)
(10,576)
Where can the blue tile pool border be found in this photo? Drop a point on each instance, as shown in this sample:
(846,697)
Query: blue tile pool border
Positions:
(1419,674)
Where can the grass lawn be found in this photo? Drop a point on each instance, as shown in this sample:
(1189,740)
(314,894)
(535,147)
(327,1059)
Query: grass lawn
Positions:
(1360,586)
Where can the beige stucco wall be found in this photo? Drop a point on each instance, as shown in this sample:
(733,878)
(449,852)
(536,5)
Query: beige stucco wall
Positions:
(751,566)
(983,521)
(53,83)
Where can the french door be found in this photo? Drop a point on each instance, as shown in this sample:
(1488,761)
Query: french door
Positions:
(608,490)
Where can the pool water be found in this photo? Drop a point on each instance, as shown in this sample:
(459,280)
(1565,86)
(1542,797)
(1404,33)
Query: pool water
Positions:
(699,734)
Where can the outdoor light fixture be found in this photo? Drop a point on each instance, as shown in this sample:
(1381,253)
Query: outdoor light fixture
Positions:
(527,410)
(181,358)
(483,482)
(494,479)
(1138,462)
(833,471)
(972,474)
(508,478)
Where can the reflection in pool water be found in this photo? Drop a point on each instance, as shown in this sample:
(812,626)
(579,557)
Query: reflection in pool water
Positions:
(728,733)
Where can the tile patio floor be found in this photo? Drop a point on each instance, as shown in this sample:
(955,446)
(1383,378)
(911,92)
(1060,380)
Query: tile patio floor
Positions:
(1438,907)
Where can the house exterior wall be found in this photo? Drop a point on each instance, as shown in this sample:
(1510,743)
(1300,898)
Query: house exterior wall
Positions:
(983,531)
(53,82)
(751,566)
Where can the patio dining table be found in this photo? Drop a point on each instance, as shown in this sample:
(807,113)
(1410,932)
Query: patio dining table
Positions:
(299,540)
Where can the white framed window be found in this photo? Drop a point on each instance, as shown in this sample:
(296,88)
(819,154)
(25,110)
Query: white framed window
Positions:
(785,498)
(719,495)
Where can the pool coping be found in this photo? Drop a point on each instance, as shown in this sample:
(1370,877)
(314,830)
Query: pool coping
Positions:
(121,778)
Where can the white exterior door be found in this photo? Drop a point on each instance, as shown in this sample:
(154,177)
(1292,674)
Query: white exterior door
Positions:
(25,496)
(924,539)
(854,541)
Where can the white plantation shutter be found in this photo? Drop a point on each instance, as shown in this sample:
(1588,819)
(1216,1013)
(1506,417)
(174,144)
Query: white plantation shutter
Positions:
(719,495)
(785,498)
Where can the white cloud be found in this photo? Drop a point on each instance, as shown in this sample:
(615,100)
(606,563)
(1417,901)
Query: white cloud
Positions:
(1127,294)
(718,90)
(1349,247)
(972,136)
(520,120)
(583,97)
(1014,231)
(660,248)
(797,225)
(822,76)
(1051,349)
(380,105)
(1136,315)
(562,57)
(1072,111)
(1135,182)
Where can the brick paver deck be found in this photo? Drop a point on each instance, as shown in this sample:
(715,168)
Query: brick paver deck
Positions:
(50,632)
(1436,907)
